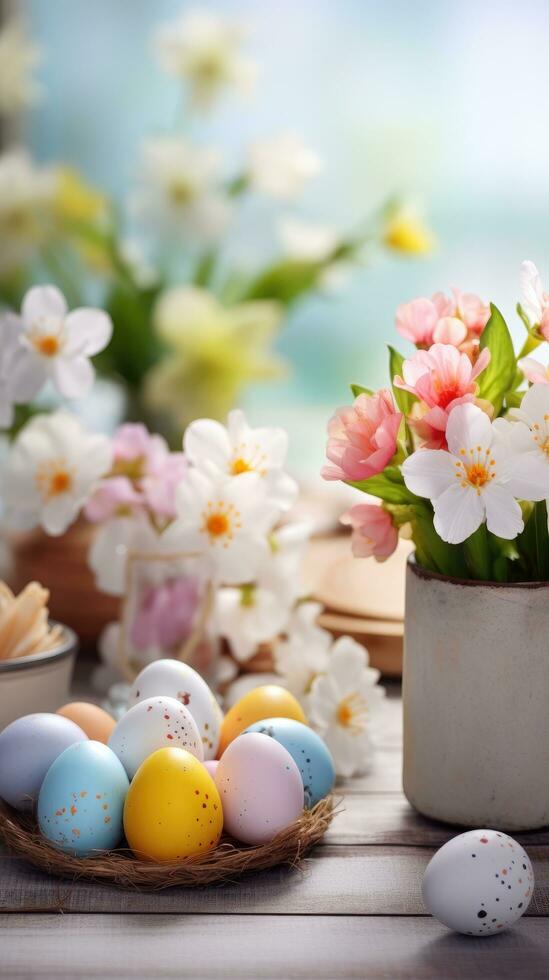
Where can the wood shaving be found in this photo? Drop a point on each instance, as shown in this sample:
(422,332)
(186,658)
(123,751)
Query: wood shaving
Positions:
(24,622)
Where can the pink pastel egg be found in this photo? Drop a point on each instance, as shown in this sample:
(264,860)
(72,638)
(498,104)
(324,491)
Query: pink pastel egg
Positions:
(211,765)
(260,787)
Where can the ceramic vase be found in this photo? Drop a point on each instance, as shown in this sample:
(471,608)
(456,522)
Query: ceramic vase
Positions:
(476,701)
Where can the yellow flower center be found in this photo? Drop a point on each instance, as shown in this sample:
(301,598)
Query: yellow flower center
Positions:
(53,478)
(352,713)
(248,459)
(540,434)
(220,520)
(181,192)
(46,344)
(476,468)
(240,466)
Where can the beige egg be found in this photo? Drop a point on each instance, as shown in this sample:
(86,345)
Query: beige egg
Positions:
(96,723)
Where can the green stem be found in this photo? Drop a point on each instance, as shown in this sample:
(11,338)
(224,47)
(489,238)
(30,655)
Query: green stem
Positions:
(477,555)
(529,345)
(542,541)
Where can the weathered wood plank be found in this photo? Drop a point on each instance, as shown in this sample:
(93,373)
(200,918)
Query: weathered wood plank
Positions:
(53,947)
(336,881)
(388,818)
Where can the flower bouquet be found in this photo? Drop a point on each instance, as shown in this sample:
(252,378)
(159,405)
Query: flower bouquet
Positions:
(457,452)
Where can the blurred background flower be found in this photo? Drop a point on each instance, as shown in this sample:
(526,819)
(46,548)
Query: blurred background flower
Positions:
(344,111)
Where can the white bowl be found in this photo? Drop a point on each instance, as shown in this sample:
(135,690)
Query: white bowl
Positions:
(40,682)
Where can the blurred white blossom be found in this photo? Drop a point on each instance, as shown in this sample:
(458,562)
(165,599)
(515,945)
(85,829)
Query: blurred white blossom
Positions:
(52,469)
(204,50)
(282,165)
(342,703)
(27,194)
(19,57)
(307,241)
(179,191)
(303,654)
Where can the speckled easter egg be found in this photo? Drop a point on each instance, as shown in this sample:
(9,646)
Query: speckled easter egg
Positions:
(81,801)
(479,883)
(267,701)
(156,723)
(310,754)
(177,680)
(173,808)
(96,723)
(260,788)
(27,749)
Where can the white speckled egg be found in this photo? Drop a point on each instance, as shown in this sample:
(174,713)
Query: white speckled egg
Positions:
(260,787)
(177,680)
(157,723)
(479,883)
(81,802)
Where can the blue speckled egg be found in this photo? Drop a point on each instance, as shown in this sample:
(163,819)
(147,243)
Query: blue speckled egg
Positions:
(81,802)
(28,747)
(311,755)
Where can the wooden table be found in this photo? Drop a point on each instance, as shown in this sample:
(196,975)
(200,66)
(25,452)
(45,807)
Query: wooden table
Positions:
(355,910)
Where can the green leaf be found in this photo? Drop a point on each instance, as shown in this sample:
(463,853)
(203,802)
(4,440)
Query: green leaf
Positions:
(388,486)
(498,377)
(285,281)
(359,390)
(403,399)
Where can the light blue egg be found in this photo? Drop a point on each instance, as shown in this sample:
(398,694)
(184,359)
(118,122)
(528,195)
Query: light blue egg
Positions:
(81,801)
(311,755)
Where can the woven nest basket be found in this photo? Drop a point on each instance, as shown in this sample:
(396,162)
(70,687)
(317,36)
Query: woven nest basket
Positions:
(228,862)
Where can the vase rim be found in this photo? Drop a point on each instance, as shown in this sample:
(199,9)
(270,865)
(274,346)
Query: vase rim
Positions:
(67,646)
(420,572)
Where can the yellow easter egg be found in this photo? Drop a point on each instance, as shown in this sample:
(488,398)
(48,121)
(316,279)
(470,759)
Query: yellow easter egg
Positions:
(268,701)
(173,808)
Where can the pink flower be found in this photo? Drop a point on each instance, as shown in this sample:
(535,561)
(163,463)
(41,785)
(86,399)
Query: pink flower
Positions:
(136,451)
(116,495)
(144,476)
(374,533)
(165,615)
(159,487)
(458,320)
(533,371)
(362,438)
(442,375)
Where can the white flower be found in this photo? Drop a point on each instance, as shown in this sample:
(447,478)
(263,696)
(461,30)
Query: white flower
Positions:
(527,441)
(303,655)
(12,355)
(59,344)
(281,571)
(52,469)
(476,481)
(225,523)
(280,167)
(204,50)
(535,300)
(238,449)
(178,192)
(19,56)
(26,200)
(248,616)
(341,705)
(306,241)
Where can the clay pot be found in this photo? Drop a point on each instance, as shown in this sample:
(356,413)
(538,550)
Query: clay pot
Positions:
(476,695)
(60,564)
(39,682)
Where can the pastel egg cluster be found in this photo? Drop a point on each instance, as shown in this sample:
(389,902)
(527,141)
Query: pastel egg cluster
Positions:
(172,774)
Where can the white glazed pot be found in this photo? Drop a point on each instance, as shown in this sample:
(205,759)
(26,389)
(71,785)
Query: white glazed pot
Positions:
(476,701)
(40,682)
